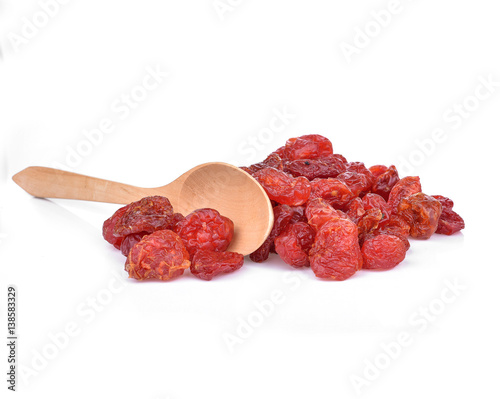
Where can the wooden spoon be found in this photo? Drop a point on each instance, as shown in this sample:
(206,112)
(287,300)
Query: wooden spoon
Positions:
(226,188)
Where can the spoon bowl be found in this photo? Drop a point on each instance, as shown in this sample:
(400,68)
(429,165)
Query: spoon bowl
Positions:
(226,188)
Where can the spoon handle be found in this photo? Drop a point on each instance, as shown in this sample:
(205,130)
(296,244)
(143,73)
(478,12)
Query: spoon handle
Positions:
(54,183)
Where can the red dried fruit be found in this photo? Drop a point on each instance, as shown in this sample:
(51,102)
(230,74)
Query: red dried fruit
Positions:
(294,243)
(355,209)
(109,227)
(375,201)
(383,252)
(385,182)
(449,222)
(336,157)
(280,152)
(283,214)
(335,253)
(368,223)
(314,168)
(272,161)
(299,214)
(318,212)
(205,229)
(129,241)
(176,218)
(377,170)
(284,188)
(160,255)
(403,188)
(208,264)
(359,167)
(396,226)
(148,214)
(422,213)
(310,146)
(357,182)
(333,191)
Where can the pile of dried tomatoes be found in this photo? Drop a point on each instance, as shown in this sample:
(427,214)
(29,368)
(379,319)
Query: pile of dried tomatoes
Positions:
(330,214)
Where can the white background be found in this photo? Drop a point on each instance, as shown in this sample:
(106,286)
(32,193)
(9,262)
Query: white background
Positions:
(226,76)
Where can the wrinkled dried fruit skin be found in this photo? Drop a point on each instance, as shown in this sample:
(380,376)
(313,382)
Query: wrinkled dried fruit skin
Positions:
(383,252)
(280,152)
(335,253)
(359,183)
(335,158)
(359,167)
(318,212)
(396,226)
(422,213)
(355,209)
(284,188)
(333,191)
(310,146)
(205,229)
(176,218)
(377,170)
(450,222)
(109,227)
(299,214)
(375,201)
(148,214)
(368,223)
(403,188)
(160,255)
(272,161)
(130,240)
(208,264)
(315,168)
(283,214)
(385,182)
(294,243)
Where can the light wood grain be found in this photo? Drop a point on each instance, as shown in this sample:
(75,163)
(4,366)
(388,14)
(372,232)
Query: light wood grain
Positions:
(230,190)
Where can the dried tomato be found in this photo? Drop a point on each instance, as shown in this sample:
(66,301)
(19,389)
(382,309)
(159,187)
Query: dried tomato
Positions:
(333,191)
(368,223)
(359,183)
(403,188)
(385,182)
(129,241)
(335,253)
(355,210)
(318,212)
(422,213)
(310,146)
(205,229)
(450,222)
(208,264)
(283,214)
(284,188)
(375,201)
(377,170)
(160,255)
(109,227)
(148,214)
(272,161)
(294,243)
(314,168)
(383,252)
